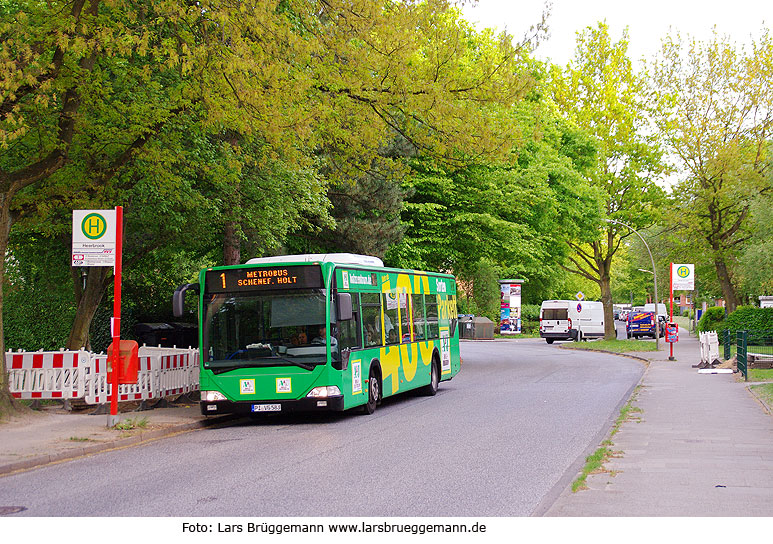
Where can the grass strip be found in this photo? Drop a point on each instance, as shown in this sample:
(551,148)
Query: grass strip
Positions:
(760,375)
(595,462)
(764,393)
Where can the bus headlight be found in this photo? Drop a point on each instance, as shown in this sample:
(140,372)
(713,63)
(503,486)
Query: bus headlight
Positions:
(212,396)
(324,392)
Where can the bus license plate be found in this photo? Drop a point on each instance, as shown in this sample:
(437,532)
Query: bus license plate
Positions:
(266,407)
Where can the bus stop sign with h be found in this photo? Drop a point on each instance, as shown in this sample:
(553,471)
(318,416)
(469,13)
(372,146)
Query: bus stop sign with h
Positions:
(97,240)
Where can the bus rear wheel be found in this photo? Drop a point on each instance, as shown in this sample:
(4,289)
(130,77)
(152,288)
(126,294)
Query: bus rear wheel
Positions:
(549,340)
(434,379)
(374,392)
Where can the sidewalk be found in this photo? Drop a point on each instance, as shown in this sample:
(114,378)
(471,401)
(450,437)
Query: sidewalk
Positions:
(54,434)
(703,447)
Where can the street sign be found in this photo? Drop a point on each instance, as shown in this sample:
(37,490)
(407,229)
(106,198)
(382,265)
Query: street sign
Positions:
(93,237)
(580,295)
(683,277)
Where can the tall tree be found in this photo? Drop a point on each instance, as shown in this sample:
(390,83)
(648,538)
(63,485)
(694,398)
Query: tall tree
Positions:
(511,213)
(718,119)
(602,92)
(88,84)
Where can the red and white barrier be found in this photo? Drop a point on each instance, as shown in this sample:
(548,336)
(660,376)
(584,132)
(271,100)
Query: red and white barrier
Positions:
(98,387)
(179,373)
(79,374)
(47,374)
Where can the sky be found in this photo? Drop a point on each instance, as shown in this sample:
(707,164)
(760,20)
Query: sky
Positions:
(647,21)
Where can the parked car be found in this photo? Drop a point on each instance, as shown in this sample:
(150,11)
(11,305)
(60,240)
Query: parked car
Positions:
(642,324)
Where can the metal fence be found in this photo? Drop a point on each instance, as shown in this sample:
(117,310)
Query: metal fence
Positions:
(754,349)
(741,338)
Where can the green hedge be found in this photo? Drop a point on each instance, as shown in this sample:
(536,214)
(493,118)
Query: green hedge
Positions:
(713,319)
(749,318)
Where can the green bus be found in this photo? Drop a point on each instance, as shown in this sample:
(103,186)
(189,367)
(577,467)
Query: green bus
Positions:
(320,332)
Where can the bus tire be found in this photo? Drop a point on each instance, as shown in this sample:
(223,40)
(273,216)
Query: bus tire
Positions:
(549,340)
(374,390)
(434,379)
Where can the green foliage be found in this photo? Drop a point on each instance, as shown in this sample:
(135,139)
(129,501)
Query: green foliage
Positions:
(486,292)
(131,424)
(713,319)
(530,312)
(38,298)
(511,214)
(605,96)
(756,258)
(717,114)
(750,318)
(466,305)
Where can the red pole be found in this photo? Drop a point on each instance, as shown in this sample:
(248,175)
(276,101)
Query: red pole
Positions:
(671,301)
(116,332)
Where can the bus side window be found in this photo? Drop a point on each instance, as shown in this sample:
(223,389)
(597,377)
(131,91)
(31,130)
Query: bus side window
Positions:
(371,319)
(391,301)
(430,303)
(349,331)
(419,325)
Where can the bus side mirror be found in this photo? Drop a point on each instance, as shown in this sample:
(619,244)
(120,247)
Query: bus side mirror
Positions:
(178,299)
(344,306)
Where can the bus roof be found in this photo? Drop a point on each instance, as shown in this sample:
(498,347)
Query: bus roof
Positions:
(340,258)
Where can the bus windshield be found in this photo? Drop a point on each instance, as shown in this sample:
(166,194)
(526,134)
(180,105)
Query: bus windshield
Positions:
(274,328)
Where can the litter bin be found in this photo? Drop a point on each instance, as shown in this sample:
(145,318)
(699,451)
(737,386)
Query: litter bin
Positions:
(465,325)
(476,328)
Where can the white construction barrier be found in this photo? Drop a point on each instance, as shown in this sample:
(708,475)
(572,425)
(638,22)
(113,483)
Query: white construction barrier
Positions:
(177,374)
(79,374)
(709,342)
(47,374)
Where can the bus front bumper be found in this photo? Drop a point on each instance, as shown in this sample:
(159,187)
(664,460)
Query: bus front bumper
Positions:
(328,404)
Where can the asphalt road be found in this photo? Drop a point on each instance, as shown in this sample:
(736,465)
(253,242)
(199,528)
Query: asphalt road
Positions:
(502,439)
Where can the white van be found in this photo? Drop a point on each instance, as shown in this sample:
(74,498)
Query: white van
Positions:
(650,307)
(571,320)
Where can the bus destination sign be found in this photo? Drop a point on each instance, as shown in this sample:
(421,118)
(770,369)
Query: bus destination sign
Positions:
(263,279)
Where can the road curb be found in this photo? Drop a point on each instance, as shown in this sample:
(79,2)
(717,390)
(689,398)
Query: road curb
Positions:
(637,357)
(140,438)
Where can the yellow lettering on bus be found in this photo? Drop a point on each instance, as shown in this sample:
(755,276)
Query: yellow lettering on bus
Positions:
(390,363)
(425,348)
(409,363)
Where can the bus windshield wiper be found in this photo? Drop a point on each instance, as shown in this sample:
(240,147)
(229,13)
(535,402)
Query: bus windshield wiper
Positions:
(304,366)
(228,365)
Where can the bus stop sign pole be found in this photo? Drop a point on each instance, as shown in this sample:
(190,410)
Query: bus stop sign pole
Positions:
(671,300)
(115,327)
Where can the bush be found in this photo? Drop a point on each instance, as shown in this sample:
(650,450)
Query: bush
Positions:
(530,312)
(750,318)
(713,319)
(529,326)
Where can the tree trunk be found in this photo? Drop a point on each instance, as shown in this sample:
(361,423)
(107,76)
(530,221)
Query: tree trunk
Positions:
(726,283)
(605,282)
(7,402)
(231,245)
(88,302)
